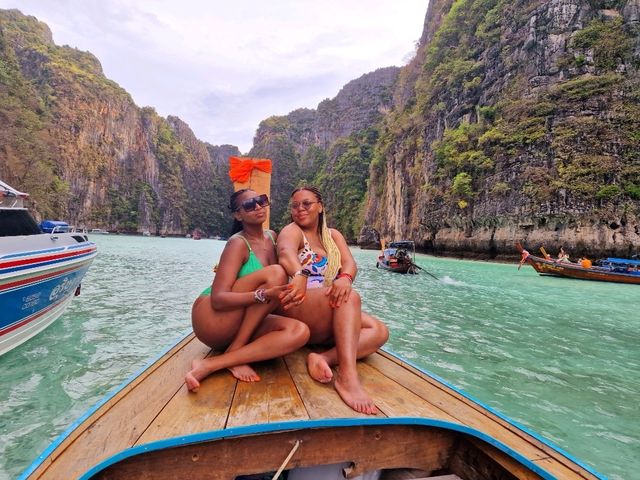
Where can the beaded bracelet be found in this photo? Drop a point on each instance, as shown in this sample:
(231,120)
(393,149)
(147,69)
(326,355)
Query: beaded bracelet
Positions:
(259,296)
(345,275)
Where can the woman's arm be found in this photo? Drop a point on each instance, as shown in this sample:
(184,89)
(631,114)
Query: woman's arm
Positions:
(289,242)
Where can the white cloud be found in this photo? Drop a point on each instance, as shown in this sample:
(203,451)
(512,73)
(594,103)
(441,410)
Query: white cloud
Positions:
(222,67)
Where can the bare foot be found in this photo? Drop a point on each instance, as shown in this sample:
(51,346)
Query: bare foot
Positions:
(198,371)
(352,393)
(318,368)
(244,373)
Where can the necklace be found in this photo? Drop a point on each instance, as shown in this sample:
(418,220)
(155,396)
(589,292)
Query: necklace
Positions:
(255,241)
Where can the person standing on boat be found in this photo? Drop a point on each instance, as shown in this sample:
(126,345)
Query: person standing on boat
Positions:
(322,269)
(235,314)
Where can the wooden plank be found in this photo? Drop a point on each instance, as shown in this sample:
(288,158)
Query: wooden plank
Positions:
(119,422)
(473,415)
(273,399)
(473,455)
(393,400)
(189,413)
(449,401)
(561,470)
(320,400)
(366,447)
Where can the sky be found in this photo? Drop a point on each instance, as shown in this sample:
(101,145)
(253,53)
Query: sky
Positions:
(224,66)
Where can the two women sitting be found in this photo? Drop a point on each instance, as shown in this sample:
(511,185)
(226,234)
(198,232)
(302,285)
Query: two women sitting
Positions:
(253,312)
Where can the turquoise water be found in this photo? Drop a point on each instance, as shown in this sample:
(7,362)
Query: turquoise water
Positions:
(560,357)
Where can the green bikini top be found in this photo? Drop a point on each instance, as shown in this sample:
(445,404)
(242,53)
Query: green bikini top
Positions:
(252,264)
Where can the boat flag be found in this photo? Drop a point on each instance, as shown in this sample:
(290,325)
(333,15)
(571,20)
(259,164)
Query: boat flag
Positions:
(523,258)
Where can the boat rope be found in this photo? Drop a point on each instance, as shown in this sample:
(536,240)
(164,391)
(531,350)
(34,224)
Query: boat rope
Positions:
(425,271)
(286,460)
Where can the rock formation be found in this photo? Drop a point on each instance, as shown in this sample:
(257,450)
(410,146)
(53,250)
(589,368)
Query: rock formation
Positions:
(515,121)
(87,154)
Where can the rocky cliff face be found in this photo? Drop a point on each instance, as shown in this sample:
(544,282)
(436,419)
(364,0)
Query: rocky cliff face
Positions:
(329,146)
(76,141)
(515,121)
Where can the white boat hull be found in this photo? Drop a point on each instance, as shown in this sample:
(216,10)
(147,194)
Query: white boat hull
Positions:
(39,275)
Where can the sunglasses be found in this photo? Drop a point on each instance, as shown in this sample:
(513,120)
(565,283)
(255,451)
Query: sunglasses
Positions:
(250,204)
(303,205)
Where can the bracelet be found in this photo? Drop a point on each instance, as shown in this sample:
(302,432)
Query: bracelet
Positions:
(345,275)
(304,273)
(259,296)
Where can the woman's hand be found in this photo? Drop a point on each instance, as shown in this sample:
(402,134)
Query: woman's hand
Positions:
(274,293)
(339,292)
(296,293)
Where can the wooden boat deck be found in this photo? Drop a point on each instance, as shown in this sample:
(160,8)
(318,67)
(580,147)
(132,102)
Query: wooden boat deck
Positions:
(156,405)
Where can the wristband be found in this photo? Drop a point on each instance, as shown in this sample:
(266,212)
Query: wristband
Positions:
(304,273)
(259,296)
(345,275)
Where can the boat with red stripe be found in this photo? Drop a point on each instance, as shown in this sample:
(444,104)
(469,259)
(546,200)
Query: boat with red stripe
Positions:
(39,272)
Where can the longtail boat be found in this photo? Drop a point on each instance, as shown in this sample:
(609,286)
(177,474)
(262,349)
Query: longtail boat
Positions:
(607,270)
(398,257)
(152,427)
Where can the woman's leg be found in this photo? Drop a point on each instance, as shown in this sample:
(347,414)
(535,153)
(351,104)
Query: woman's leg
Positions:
(317,314)
(343,327)
(221,329)
(347,323)
(276,336)
(373,335)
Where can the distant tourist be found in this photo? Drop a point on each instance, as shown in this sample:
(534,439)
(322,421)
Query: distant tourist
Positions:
(235,314)
(563,256)
(322,270)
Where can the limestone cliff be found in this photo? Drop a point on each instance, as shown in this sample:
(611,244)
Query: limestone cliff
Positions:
(330,146)
(87,154)
(515,121)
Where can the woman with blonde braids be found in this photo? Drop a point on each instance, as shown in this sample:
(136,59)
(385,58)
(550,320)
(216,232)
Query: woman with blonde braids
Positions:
(322,269)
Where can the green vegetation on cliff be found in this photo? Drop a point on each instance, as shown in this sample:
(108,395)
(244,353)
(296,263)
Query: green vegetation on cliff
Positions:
(77,143)
(515,110)
(343,185)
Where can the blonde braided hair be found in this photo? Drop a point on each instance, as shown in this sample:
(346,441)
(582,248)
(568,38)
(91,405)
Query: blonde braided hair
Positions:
(334,259)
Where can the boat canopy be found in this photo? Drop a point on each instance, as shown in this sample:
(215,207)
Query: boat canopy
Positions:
(48,226)
(402,244)
(619,262)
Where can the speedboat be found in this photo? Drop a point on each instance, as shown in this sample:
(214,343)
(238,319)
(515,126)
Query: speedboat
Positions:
(39,272)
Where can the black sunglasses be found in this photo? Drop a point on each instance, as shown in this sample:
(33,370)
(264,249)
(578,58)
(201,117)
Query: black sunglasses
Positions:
(250,204)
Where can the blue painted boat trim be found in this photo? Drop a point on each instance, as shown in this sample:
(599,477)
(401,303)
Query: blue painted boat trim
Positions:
(62,437)
(501,415)
(304,424)
(307,424)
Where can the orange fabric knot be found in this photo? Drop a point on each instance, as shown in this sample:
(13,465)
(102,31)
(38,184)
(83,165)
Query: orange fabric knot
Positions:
(240,168)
